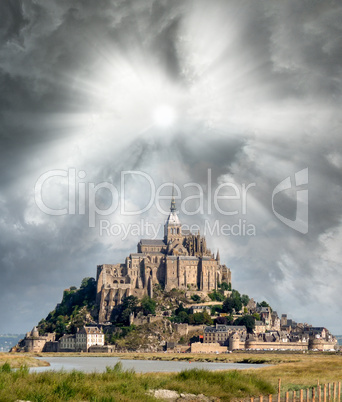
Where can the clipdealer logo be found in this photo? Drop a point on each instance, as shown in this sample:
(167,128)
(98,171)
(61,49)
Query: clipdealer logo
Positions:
(228,199)
(301,222)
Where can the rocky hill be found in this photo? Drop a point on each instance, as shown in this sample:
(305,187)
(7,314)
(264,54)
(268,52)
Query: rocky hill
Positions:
(143,324)
(76,309)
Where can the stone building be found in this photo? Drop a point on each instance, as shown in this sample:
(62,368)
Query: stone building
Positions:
(82,341)
(221,333)
(200,309)
(265,315)
(67,343)
(260,327)
(181,260)
(236,338)
(33,342)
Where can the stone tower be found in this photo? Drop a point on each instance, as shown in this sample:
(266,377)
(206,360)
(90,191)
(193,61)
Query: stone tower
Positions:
(173,227)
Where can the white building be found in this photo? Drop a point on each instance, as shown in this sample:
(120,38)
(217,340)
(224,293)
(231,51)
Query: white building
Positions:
(82,340)
(89,336)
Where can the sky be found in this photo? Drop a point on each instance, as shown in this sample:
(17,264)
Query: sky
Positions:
(104,104)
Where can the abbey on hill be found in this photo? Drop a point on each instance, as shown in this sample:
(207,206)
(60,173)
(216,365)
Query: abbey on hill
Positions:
(181,260)
(183,265)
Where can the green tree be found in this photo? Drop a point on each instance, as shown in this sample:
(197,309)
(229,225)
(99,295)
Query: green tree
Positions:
(224,286)
(196,298)
(121,314)
(200,318)
(256,316)
(216,310)
(248,321)
(181,308)
(73,300)
(221,320)
(244,300)
(237,305)
(207,319)
(182,317)
(233,302)
(148,305)
(216,296)
(264,304)
(85,282)
(228,305)
(60,326)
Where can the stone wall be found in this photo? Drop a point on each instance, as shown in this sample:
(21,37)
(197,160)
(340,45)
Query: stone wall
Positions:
(277,345)
(102,349)
(182,329)
(199,347)
(146,319)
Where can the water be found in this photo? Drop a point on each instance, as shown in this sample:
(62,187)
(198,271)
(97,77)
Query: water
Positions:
(99,364)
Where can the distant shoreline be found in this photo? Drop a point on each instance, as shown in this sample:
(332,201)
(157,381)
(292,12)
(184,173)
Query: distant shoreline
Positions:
(256,357)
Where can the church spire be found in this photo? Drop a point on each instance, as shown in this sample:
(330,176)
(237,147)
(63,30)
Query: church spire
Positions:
(173,202)
(218,256)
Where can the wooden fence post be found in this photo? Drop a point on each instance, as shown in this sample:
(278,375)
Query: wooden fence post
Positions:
(319,394)
(329,392)
(325,393)
(279,388)
(252,399)
(270,398)
(307,395)
(339,391)
(294,396)
(301,395)
(313,394)
(334,391)
(261,398)
(287,396)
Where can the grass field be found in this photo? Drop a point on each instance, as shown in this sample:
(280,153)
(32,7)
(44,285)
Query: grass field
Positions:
(16,360)
(119,385)
(295,370)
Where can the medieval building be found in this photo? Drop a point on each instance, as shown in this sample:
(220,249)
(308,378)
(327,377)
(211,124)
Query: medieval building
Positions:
(181,260)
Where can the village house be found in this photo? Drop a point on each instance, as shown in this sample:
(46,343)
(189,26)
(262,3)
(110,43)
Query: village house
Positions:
(220,333)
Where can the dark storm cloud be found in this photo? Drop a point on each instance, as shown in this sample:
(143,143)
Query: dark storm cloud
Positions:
(12,19)
(273,110)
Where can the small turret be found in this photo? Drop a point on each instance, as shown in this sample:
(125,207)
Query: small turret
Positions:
(35,332)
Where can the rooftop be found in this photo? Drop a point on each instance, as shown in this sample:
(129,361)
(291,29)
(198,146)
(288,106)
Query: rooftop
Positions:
(225,328)
(150,242)
(91,330)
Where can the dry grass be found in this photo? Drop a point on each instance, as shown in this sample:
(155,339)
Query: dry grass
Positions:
(295,370)
(17,360)
(120,385)
(305,372)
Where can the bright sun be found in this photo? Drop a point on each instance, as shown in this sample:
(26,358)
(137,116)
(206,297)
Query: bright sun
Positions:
(164,116)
